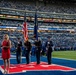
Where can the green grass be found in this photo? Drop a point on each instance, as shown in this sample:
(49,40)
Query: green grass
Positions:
(65,54)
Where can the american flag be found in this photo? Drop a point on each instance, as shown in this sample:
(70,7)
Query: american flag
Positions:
(25,31)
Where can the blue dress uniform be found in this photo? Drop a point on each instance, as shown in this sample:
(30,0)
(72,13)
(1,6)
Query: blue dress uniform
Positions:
(18,51)
(38,50)
(49,45)
(27,45)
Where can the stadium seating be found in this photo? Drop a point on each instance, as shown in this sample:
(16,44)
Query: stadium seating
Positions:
(61,40)
(52,7)
(64,41)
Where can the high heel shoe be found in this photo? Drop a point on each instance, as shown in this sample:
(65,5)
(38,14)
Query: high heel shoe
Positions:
(5,72)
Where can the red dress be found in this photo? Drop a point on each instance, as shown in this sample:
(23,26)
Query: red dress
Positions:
(6,51)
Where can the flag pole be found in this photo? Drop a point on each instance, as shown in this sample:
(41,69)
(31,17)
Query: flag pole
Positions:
(25,17)
(35,26)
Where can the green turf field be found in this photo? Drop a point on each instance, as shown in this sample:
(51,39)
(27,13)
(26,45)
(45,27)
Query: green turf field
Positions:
(65,54)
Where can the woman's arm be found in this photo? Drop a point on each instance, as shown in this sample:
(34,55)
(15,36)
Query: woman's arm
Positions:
(9,45)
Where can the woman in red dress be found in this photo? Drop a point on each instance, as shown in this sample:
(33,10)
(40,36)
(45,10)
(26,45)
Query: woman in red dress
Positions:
(6,45)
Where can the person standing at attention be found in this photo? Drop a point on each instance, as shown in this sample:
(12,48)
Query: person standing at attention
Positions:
(49,45)
(28,46)
(18,51)
(38,46)
(6,45)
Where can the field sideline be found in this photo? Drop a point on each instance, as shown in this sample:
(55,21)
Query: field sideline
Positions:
(58,61)
(65,54)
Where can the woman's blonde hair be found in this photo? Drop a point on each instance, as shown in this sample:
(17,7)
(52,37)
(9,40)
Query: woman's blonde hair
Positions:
(6,36)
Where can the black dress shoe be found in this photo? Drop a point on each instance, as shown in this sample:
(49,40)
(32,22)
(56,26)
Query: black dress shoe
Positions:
(38,63)
(49,63)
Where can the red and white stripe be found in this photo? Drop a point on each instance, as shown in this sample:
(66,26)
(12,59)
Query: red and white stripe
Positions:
(25,31)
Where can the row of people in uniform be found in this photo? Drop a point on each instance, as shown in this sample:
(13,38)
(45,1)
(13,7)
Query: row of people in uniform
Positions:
(6,45)
(38,50)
